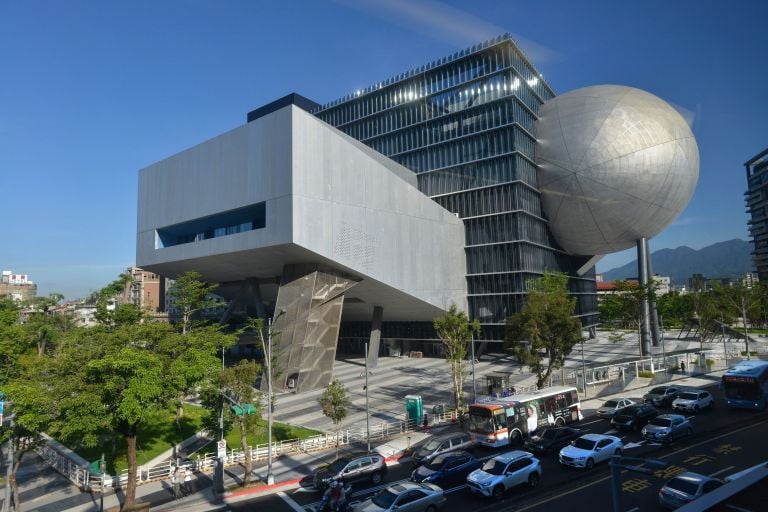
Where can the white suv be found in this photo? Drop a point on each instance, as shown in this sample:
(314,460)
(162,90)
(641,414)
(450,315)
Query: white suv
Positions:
(503,472)
(693,400)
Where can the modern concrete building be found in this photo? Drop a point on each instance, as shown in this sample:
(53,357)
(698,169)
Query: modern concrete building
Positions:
(756,198)
(363,219)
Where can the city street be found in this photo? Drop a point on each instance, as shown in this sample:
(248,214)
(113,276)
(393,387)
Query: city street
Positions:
(725,442)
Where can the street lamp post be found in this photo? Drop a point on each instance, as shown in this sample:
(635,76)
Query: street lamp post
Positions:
(472,351)
(663,347)
(367,410)
(583,368)
(270,476)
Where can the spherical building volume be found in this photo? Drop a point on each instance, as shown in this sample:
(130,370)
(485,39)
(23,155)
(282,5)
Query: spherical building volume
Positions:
(616,164)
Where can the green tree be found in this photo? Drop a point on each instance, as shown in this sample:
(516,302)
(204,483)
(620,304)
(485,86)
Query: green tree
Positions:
(190,295)
(455,332)
(627,307)
(742,301)
(115,378)
(237,382)
(335,404)
(546,322)
(31,417)
(119,314)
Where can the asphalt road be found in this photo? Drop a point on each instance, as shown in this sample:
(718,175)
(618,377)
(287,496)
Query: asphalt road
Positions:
(725,441)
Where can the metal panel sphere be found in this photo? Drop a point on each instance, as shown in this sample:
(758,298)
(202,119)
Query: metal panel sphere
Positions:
(615,164)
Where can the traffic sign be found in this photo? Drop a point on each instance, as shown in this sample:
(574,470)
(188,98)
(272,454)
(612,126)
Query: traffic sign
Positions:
(1,407)
(221,448)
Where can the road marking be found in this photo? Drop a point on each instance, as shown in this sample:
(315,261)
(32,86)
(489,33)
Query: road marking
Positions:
(591,422)
(634,509)
(552,498)
(722,470)
(634,445)
(295,506)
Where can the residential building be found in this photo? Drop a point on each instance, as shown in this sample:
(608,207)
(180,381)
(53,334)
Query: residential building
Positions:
(146,290)
(17,286)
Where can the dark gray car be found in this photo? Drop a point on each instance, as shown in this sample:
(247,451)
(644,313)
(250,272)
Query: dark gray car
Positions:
(667,428)
(441,444)
(661,396)
(367,466)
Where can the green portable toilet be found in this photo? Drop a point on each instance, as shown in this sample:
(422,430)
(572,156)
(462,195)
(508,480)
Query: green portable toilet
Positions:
(413,408)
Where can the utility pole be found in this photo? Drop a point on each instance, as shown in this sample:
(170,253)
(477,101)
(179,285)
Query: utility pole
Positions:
(583,369)
(8,471)
(663,348)
(725,351)
(102,468)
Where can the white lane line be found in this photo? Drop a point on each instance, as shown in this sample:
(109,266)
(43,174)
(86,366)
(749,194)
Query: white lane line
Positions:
(591,422)
(666,456)
(634,509)
(295,506)
(722,470)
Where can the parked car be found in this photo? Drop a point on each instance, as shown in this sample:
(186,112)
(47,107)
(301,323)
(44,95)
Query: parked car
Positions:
(590,449)
(667,428)
(685,488)
(447,468)
(634,417)
(405,497)
(661,396)
(552,439)
(611,407)
(441,444)
(693,400)
(504,472)
(367,466)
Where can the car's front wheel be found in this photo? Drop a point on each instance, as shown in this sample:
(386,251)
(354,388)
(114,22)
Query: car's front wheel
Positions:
(590,463)
(430,508)
(376,478)
(498,492)
(533,480)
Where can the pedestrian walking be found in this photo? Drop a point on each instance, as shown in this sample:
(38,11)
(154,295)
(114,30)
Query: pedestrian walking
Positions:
(426,424)
(187,481)
(175,482)
(682,366)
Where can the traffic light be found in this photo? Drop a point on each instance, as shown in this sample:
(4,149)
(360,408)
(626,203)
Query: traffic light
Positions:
(236,410)
(241,409)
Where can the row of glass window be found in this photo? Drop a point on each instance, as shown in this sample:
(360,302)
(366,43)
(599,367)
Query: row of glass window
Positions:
(497,308)
(504,87)
(507,227)
(506,197)
(481,173)
(515,257)
(456,74)
(468,122)
(484,145)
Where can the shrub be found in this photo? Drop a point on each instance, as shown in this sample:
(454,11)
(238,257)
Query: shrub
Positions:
(710,362)
(645,373)
(744,353)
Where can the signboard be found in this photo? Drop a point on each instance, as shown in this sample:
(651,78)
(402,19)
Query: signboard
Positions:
(731,378)
(221,447)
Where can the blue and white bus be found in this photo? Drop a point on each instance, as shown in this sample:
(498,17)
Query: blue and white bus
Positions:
(746,385)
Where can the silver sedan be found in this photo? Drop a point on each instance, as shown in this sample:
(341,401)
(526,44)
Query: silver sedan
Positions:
(405,497)
(667,428)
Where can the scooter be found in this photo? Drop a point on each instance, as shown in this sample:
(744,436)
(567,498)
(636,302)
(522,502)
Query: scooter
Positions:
(342,506)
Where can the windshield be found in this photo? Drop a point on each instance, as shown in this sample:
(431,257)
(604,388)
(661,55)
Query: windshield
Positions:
(688,396)
(480,421)
(549,434)
(432,444)
(494,467)
(660,422)
(611,403)
(658,391)
(437,463)
(584,444)
(682,485)
(384,499)
(338,465)
(742,390)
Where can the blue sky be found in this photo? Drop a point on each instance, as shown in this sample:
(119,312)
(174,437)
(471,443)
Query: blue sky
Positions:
(93,91)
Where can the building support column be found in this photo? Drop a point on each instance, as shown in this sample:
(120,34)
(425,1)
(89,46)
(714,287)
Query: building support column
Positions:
(654,318)
(642,271)
(373,349)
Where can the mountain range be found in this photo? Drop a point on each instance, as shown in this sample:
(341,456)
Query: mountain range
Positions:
(723,259)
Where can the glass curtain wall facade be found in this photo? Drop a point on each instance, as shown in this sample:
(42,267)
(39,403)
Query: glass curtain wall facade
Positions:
(756,198)
(465,125)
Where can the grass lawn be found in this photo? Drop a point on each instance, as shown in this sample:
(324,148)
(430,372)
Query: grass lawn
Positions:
(161,434)
(280,432)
